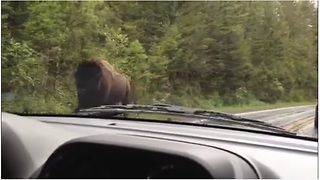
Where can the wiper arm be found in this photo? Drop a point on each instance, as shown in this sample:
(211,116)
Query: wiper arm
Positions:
(103,113)
(113,110)
(225,116)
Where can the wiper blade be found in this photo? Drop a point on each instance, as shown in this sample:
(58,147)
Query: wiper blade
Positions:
(186,110)
(113,110)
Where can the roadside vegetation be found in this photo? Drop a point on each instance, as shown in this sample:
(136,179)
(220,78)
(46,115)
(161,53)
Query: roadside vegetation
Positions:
(228,56)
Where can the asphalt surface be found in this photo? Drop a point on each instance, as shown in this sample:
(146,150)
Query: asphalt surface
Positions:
(297,119)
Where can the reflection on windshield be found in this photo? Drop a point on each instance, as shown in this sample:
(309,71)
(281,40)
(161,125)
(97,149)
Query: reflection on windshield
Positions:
(59,57)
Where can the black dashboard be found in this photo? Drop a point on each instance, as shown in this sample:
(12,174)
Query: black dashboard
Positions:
(87,160)
(97,157)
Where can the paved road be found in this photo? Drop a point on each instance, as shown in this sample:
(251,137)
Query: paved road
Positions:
(309,130)
(297,119)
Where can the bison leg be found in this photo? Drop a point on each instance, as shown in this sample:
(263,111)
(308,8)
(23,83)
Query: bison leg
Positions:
(76,110)
(126,98)
(125,101)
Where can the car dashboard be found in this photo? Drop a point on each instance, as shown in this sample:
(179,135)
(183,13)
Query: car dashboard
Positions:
(88,160)
(67,149)
(130,157)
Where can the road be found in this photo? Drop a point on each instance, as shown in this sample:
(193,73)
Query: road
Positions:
(297,119)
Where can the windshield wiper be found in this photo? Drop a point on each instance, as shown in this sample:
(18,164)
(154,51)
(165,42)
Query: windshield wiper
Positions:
(167,109)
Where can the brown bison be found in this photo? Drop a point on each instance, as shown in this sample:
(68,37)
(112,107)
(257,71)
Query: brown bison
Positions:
(98,83)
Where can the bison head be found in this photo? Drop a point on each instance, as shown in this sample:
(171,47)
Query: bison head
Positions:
(88,81)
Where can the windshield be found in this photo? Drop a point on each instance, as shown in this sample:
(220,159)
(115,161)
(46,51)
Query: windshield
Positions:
(243,58)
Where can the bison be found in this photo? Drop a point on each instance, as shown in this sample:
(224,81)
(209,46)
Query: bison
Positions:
(98,83)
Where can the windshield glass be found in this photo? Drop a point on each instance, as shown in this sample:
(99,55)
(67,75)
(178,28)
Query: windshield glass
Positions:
(253,59)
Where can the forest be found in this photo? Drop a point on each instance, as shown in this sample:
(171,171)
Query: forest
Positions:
(199,54)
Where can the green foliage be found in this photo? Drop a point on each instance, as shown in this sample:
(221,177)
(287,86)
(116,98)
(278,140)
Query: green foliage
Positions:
(197,54)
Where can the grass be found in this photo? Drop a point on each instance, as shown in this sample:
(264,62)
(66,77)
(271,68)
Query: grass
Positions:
(240,109)
(158,117)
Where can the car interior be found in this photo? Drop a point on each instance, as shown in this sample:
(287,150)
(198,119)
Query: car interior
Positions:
(60,149)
